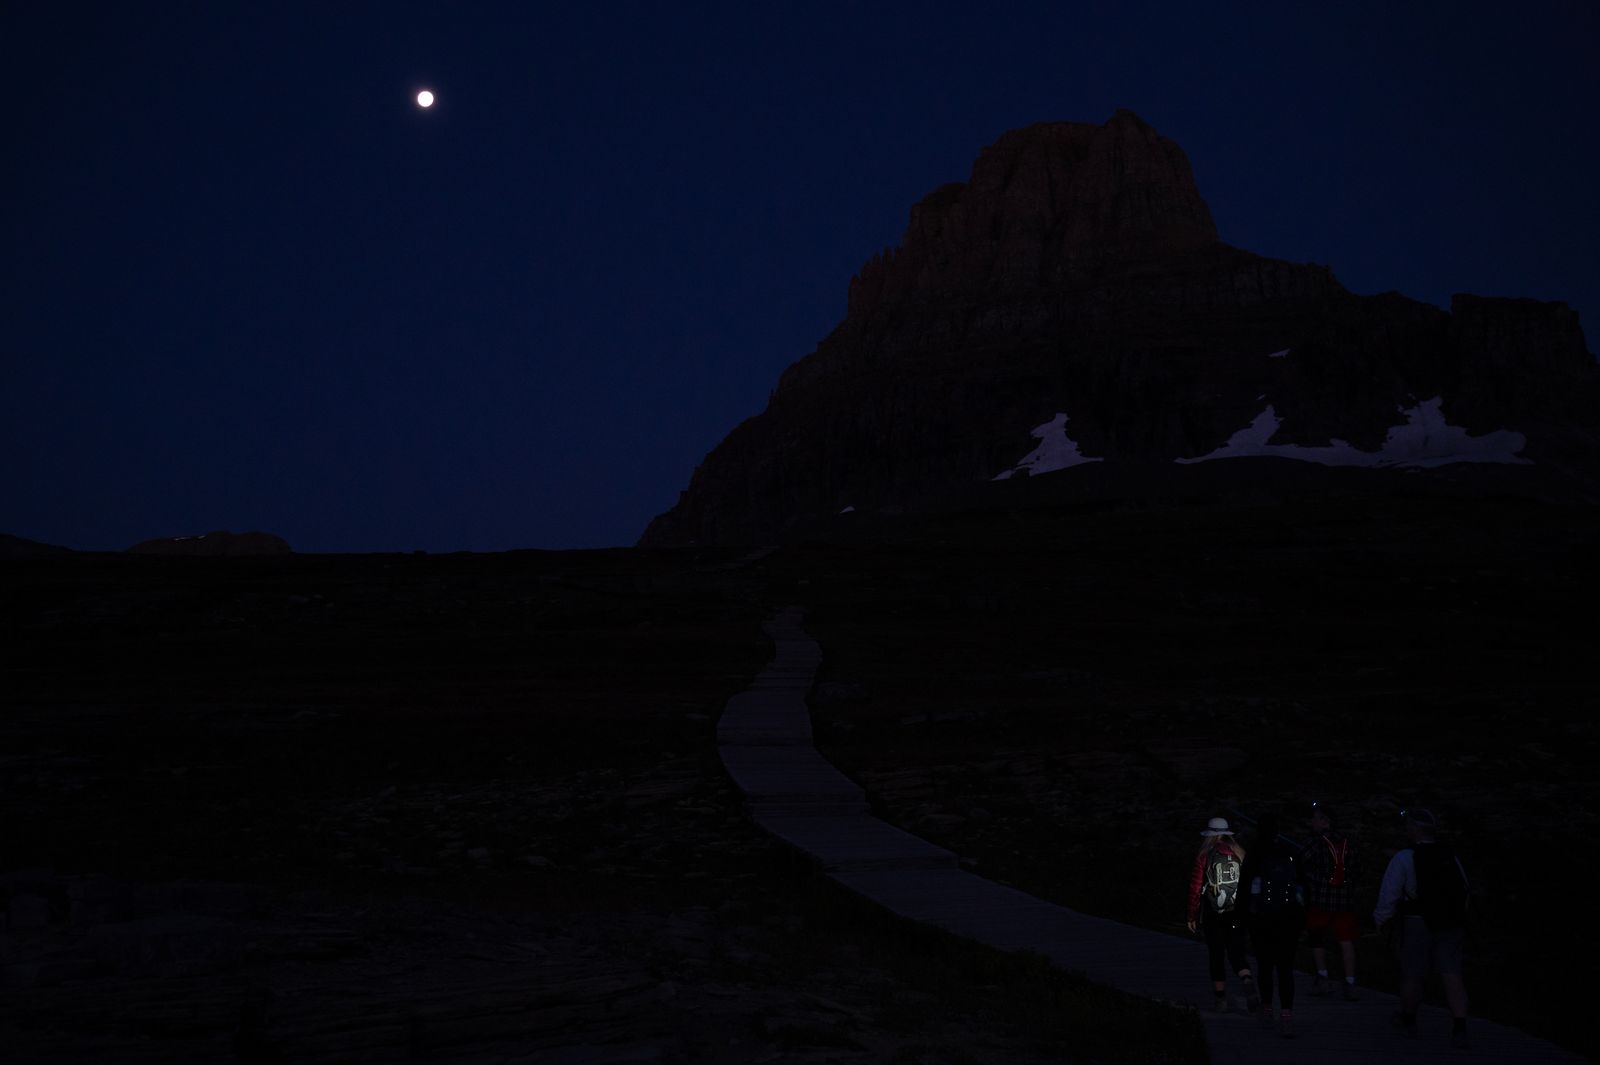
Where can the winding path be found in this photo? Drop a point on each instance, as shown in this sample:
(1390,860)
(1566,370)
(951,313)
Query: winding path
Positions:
(765,740)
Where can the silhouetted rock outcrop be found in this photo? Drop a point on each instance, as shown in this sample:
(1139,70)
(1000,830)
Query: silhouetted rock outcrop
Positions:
(220,544)
(1071,301)
(17,547)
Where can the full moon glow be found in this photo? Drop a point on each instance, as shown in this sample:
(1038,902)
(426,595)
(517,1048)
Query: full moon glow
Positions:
(424,98)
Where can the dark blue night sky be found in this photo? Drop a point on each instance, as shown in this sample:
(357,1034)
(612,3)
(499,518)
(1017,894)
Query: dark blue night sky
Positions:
(248,284)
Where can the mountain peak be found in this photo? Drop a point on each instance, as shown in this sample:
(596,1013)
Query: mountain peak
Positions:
(1076,280)
(1049,204)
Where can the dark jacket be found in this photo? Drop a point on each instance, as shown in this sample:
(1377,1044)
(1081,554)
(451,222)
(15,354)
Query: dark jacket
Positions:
(1274,882)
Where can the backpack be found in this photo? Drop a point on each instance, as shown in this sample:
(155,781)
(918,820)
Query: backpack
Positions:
(1277,885)
(1336,874)
(1222,880)
(1441,887)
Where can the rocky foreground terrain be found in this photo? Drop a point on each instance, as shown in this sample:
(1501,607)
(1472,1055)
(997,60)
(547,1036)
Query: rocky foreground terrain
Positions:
(1064,695)
(468,808)
(460,809)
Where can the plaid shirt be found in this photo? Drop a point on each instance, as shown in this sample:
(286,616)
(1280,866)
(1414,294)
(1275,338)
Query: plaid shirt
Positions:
(1318,862)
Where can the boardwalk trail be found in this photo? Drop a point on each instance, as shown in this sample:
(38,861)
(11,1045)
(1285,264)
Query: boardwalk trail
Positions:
(766,744)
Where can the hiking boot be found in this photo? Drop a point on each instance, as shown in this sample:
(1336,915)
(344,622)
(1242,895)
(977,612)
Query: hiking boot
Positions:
(1286,1024)
(1350,993)
(1264,1016)
(1404,1024)
(1321,986)
(1252,1000)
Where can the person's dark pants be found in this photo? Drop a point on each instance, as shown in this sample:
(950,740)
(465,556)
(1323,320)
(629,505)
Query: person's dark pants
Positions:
(1224,936)
(1275,937)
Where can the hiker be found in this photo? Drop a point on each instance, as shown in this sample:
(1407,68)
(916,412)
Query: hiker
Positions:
(1275,907)
(1330,866)
(1422,908)
(1214,906)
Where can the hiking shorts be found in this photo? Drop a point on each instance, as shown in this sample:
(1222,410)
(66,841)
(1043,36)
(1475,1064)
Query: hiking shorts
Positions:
(1345,927)
(1420,949)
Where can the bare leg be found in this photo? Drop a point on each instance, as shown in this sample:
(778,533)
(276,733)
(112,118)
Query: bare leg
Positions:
(1320,957)
(1411,993)
(1455,993)
(1348,950)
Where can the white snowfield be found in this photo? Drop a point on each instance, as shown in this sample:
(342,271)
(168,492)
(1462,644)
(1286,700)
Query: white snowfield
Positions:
(1424,441)
(1056,451)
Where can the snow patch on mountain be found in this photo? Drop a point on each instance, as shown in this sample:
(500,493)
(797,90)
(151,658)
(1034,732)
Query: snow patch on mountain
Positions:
(1056,451)
(1425,440)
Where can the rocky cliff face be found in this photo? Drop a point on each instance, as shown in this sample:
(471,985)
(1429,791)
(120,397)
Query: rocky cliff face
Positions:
(1075,287)
(1047,205)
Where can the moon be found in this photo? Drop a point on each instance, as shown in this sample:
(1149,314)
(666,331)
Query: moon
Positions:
(424,98)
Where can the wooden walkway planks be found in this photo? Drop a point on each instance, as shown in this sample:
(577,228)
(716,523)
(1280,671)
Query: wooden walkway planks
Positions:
(765,740)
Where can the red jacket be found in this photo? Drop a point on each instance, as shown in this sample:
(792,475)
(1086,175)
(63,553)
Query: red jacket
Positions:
(1197,881)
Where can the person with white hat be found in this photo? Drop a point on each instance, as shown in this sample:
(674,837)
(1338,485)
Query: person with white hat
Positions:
(1215,910)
